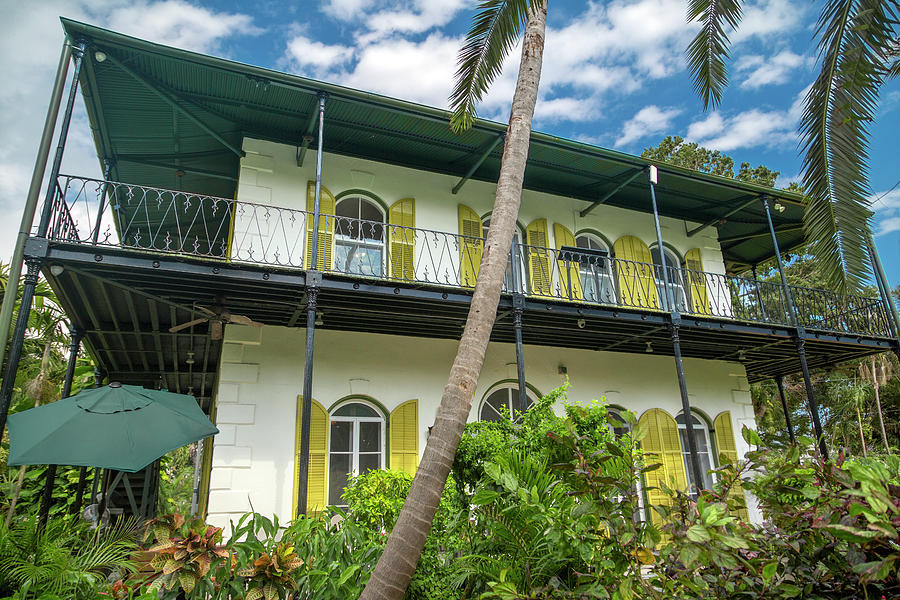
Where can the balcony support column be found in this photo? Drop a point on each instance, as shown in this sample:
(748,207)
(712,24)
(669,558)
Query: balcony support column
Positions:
(75,336)
(800,336)
(674,324)
(518,309)
(82,473)
(107,173)
(884,288)
(779,381)
(313,280)
(34,190)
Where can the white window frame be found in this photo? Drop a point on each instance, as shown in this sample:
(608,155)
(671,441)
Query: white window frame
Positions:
(513,396)
(597,275)
(364,243)
(699,423)
(354,452)
(674,264)
(518,236)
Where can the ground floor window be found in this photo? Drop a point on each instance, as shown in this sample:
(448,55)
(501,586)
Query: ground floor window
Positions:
(501,403)
(356,445)
(704,449)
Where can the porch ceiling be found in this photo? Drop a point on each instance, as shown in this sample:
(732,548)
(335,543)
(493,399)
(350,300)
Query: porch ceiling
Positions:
(126,302)
(156,110)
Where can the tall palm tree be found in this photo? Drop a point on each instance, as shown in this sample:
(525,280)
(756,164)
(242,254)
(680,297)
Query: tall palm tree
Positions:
(858,51)
(494,32)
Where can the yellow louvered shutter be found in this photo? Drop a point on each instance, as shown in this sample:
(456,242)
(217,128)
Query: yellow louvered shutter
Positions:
(402,239)
(569,274)
(697,281)
(662,444)
(471,245)
(538,257)
(326,227)
(726,445)
(404,437)
(316,489)
(637,282)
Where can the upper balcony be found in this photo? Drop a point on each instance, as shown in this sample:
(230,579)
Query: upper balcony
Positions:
(168,222)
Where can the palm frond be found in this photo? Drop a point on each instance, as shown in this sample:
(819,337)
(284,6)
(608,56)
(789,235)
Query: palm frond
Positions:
(834,129)
(710,48)
(494,32)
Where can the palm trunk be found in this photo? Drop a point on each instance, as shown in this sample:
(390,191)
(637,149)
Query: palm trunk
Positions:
(876,383)
(398,562)
(45,363)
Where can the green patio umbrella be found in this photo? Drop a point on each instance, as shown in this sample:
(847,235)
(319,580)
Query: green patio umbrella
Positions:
(121,427)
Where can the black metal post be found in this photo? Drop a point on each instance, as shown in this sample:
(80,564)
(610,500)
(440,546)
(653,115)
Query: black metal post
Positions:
(787,414)
(800,337)
(675,319)
(762,306)
(884,288)
(34,264)
(104,187)
(313,278)
(50,473)
(82,473)
(518,309)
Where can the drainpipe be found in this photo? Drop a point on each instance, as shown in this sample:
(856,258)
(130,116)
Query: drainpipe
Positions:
(34,263)
(800,337)
(34,189)
(518,309)
(674,323)
(313,279)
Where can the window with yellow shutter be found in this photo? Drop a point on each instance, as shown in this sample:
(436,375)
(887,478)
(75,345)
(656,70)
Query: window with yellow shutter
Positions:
(359,237)
(355,445)
(704,448)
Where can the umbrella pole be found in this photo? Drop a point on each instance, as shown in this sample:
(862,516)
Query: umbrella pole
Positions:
(83,474)
(50,475)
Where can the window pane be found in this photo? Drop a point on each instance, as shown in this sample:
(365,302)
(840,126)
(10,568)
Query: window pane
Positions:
(338,469)
(341,436)
(348,207)
(355,409)
(489,413)
(370,212)
(369,437)
(499,400)
(369,462)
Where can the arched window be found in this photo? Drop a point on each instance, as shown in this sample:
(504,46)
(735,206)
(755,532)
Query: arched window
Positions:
(359,237)
(704,449)
(674,269)
(355,445)
(617,424)
(502,402)
(595,269)
(508,276)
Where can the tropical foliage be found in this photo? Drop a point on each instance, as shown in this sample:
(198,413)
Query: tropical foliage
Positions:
(857,54)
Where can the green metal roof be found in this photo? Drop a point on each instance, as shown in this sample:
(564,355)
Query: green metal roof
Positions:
(156,110)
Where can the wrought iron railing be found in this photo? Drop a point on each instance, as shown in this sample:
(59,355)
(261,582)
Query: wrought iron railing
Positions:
(90,211)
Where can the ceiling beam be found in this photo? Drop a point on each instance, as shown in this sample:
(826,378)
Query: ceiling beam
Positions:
(486,151)
(192,170)
(307,137)
(750,200)
(631,177)
(728,242)
(175,103)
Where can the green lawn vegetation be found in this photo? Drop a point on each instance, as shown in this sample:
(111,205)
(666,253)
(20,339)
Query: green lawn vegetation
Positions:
(546,507)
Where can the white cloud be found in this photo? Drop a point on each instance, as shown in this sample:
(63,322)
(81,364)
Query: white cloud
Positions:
(886,206)
(758,71)
(418,16)
(177,23)
(305,54)
(767,18)
(748,129)
(345,10)
(650,120)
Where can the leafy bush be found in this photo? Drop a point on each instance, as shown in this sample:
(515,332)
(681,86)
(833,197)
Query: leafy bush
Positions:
(63,559)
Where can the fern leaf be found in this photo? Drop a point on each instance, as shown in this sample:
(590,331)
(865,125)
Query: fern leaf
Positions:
(710,48)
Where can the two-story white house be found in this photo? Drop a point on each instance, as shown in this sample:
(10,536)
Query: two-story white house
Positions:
(205,214)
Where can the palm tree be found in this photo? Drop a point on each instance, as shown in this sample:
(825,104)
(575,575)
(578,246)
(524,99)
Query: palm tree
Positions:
(494,32)
(858,52)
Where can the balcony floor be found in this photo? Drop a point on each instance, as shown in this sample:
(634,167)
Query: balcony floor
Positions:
(126,301)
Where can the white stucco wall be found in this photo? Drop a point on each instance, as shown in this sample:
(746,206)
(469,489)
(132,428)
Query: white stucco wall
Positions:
(262,372)
(269,175)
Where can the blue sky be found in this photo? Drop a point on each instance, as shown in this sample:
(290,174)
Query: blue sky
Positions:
(614,75)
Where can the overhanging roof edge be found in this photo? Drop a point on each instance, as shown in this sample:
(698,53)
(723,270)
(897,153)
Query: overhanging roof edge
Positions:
(73,28)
